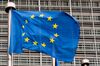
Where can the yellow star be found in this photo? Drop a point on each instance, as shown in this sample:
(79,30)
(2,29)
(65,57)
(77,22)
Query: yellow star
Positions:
(23,34)
(23,26)
(52,40)
(55,26)
(49,18)
(26,21)
(56,35)
(32,17)
(26,39)
(41,15)
(43,44)
(35,42)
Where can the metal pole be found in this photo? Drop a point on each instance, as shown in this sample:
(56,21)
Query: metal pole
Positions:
(9,7)
(70,7)
(53,60)
(39,5)
(9,23)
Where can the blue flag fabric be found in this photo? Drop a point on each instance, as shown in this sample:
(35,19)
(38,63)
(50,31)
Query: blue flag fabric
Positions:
(57,62)
(51,32)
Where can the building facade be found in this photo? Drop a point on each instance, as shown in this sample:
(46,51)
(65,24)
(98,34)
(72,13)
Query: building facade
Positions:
(87,13)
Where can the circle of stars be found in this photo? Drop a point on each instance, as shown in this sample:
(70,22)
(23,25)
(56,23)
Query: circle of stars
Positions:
(51,39)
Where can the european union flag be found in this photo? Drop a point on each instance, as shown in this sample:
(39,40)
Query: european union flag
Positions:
(51,32)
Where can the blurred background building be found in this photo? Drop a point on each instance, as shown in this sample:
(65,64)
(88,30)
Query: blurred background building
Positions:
(87,13)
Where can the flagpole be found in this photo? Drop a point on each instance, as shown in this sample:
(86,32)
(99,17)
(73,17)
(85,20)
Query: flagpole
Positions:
(9,23)
(9,7)
(39,5)
(70,4)
(53,60)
